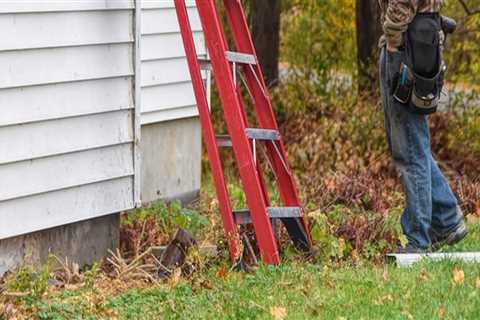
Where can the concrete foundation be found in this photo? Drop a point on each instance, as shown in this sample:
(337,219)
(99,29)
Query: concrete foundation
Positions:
(171,166)
(82,242)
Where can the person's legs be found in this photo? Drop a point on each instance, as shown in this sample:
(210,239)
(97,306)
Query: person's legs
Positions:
(411,151)
(409,141)
(446,214)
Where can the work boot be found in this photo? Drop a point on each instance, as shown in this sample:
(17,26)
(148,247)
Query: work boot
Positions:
(451,238)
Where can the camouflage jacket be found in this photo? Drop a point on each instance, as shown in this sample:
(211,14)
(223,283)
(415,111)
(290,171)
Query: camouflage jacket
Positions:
(397,15)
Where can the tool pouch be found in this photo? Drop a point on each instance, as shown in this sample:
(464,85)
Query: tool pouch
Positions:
(403,85)
(419,83)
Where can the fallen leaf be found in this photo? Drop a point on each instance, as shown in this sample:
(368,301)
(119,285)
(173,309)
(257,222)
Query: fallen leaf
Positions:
(474,218)
(385,274)
(458,276)
(222,273)
(355,256)
(407,314)
(175,279)
(278,313)
(403,240)
(331,185)
(330,284)
(213,204)
(73,287)
(383,299)
(207,285)
(442,312)
(76,269)
(8,311)
(477,283)
(423,276)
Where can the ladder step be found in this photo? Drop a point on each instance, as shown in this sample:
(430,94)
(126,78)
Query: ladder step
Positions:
(224,141)
(205,64)
(243,216)
(238,57)
(262,134)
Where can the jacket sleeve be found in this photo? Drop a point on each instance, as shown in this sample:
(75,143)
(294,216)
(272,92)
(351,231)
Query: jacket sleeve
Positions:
(398,16)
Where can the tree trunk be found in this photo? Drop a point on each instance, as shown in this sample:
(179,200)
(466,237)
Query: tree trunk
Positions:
(265,24)
(369,31)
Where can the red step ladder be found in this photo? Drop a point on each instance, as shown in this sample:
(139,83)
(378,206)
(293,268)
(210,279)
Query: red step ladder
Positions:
(229,67)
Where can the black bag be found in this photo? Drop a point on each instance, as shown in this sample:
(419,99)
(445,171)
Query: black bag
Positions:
(425,64)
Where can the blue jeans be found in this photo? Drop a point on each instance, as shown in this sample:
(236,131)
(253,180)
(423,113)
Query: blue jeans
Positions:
(431,205)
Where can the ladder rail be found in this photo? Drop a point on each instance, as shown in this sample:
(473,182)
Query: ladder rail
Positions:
(263,106)
(252,147)
(230,227)
(251,181)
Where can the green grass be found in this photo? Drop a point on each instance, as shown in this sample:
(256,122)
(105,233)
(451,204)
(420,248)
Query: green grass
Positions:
(308,291)
(304,291)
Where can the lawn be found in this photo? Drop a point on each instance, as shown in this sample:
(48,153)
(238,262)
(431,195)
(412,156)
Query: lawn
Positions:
(299,291)
(294,290)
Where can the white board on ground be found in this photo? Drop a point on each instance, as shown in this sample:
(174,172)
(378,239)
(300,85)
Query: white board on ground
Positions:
(406,260)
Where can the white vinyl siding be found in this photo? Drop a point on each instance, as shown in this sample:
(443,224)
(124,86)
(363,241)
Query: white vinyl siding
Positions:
(66,112)
(71,75)
(167,92)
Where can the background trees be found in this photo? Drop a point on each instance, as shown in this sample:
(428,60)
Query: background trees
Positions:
(332,41)
(368,33)
(265,26)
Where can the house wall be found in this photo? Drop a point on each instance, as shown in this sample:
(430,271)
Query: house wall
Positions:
(67,112)
(171,138)
(69,129)
(167,92)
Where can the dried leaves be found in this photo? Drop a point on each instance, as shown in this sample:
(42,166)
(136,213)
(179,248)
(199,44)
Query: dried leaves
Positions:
(132,269)
(340,157)
(278,313)
(141,234)
(458,276)
(442,312)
